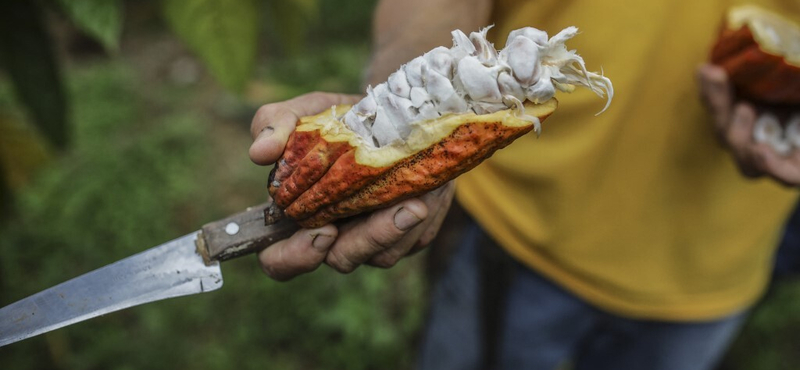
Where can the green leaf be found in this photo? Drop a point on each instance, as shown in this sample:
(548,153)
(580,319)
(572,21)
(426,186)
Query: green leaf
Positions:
(222,32)
(291,20)
(26,52)
(101,19)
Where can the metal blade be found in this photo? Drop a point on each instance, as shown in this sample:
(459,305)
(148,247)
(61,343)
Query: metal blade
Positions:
(170,270)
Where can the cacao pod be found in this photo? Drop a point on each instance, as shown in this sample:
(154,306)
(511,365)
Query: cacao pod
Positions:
(437,117)
(760,51)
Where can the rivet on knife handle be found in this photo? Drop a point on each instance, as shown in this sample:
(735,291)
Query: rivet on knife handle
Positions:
(240,234)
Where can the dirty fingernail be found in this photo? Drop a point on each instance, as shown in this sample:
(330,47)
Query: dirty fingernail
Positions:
(265,132)
(321,242)
(404,220)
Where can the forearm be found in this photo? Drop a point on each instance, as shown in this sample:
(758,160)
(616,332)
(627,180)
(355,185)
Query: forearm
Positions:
(405,29)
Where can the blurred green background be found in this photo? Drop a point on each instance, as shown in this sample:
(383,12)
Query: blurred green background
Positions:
(124,124)
(154,145)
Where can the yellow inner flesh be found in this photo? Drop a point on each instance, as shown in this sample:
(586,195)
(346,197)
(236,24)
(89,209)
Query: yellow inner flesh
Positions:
(774,33)
(423,133)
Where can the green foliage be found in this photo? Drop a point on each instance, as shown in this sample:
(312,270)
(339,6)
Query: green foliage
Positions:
(291,21)
(149,164)
(223,33)
(105,171)
(5,195)
(330,68)
(297,28)
(771,337)
(21,153)
(26,52)
(344,21)
(101,19)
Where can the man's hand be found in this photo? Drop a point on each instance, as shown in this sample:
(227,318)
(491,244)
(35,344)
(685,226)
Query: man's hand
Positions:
(380,238)
(734,122)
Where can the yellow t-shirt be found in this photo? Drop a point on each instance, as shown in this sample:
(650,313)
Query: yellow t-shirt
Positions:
(639,211)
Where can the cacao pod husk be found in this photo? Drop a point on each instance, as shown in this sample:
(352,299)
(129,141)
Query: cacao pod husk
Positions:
(760,51)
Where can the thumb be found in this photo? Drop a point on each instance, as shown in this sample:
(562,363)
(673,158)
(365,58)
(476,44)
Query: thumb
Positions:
(716,92)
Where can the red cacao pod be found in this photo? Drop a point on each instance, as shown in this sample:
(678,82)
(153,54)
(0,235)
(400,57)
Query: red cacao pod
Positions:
(760,51)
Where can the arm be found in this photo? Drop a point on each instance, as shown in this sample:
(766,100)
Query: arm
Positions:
(403,30)
(734,122)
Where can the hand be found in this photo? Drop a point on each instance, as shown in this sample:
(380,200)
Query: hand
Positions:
(734,122)
(380,238)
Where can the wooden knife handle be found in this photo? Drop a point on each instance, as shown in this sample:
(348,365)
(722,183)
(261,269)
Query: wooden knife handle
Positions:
(241,234)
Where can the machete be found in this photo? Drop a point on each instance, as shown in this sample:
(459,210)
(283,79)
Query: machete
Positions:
(184,266)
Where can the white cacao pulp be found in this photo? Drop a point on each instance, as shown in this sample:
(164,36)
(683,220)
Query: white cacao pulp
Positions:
(472,76)
(768,130)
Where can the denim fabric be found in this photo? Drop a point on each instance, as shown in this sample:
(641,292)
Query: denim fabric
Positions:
(787,259)
(453,336)
(544,326)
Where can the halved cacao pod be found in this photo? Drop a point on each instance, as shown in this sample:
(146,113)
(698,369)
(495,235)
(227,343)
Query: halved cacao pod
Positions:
(435,118)
(760,51)
(328,172)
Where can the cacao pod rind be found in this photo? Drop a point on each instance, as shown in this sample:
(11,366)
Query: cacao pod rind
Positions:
(342,175)
(759,70)
(761,76)
(345,177)
(730,43)
(468,146)
(298,145)
(309,170)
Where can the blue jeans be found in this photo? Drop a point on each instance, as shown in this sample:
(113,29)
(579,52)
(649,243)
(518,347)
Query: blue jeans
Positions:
(544,326)
(787,259)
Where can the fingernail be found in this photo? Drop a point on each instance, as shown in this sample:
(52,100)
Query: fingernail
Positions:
(322,242)
(265,132)
(404,220)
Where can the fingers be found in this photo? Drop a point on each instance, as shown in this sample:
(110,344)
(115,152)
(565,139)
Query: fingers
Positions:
(391,232)
(438,203)
(381,239)
(716,92)
(740,129)
(758,159)
(440,200)
(271,128)
(733,123)
(785,170)
(739,138)
(301,253)
(273,123)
